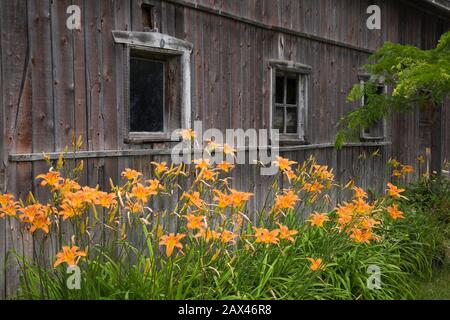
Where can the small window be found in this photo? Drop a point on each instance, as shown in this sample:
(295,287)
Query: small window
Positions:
(290,100)
(153,96)
(156,86)
(286,103)
(148,17)
(147,78)
(377,131)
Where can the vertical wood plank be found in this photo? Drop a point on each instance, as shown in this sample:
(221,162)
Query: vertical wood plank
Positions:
(63,77)
(16,127)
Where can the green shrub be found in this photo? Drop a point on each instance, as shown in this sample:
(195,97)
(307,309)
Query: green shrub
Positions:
(220,250)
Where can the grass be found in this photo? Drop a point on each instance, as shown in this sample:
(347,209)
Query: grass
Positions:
(219,248)
(438,287)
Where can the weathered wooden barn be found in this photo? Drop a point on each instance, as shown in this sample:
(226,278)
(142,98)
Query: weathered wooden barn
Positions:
(245,64)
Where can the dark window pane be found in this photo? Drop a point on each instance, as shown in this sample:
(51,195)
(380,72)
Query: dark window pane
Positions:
(279,87)
(146,95)
(291,120)
(380,89)
(278,121)
(147,16)
(291,91)
(377,130)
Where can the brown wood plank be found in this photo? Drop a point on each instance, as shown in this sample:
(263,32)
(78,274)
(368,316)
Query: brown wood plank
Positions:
(94,86)
(63,75)
(109,108)
(15,113)
(79,79)
(43,113)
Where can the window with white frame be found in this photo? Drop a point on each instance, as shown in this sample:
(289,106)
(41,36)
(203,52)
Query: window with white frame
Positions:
(147,95)
(378,130)
(156,77)
(289,99)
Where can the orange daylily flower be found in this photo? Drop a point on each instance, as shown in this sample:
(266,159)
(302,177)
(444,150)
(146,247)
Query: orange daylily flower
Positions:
(160,167)
(263,235)
(323,173)
(8,206)
(29,212)
(141,192)
(134,207)
(225,166)
(290,174)
(68,185)
(171,241)
(37,215)
(69,255)
(90,194)
(344,220)
(238,198)
(74,203)
(315,187)
(106,200)
(228,236)
(6,199)
(318,219)
(286,200)
(359,193)
(208,175)
(131,175)
(286,234)
(77,199)
(368,223)
(227,149)
(361,236)
(394,191)
(283,163)
(212,145)
(397,173)
(154,185)
(394,212)
(407,169)
(194,200)
(208,235)
(188,134)
(345,214)
(202,164)
(393,163)
(224,200)
(68,211)
(316,264)
(345,209)
(51,178)
(238,219)
(40,221)
(362,207)
(10,209)
(195,222)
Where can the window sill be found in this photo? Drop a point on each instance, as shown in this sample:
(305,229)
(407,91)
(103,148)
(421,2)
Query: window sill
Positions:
(291,140)
(141,138)
(369,138)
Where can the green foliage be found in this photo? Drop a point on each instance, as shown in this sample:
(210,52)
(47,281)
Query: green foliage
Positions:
(407,249)
(417,77)
(431,196)
(437,288)
(130,262)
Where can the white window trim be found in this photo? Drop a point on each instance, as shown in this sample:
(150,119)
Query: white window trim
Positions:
(303,103)
(363,135)
(156,42)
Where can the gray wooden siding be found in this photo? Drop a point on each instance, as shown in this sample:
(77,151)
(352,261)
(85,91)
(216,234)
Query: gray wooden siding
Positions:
(55,82)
